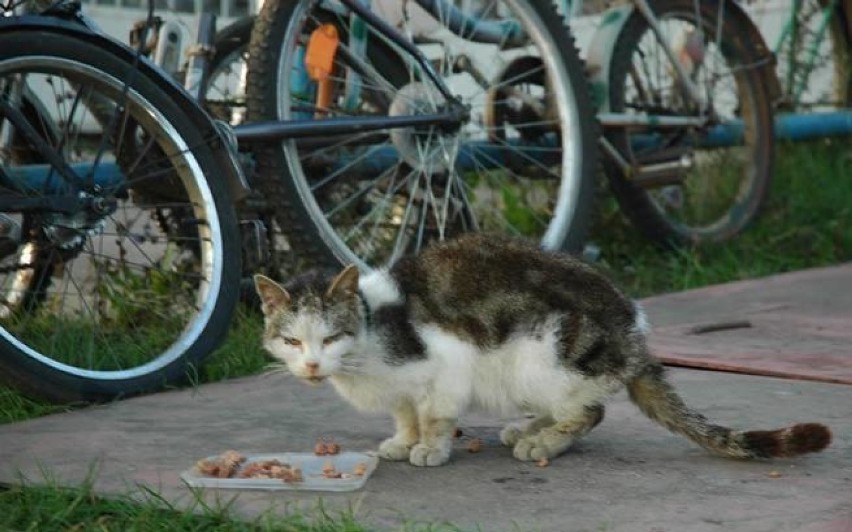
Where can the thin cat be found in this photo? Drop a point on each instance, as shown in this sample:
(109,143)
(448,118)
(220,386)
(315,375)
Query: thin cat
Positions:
(496,323)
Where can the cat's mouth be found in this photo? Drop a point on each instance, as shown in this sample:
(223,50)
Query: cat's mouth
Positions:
(315,379)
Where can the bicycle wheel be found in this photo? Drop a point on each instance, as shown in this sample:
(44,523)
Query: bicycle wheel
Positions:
(710,188)
(126,272)
(522,164)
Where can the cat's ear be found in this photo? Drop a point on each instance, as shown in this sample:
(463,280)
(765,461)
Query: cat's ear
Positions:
(272,295)
(345,284)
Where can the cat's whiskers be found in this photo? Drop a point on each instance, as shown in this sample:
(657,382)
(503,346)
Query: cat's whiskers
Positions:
(350,366)
(275,368)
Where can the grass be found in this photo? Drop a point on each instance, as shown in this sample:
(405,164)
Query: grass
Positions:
(51,507)
(807,223)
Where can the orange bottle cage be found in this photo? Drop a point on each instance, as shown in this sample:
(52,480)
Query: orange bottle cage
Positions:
(319,57)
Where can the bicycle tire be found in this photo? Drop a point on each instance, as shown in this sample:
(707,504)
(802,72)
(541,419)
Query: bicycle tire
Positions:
(126,312)
(724,190)
(480,196)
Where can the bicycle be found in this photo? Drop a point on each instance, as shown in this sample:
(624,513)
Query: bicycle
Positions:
(686,95)
(405,135)
(120,259)
(300,176)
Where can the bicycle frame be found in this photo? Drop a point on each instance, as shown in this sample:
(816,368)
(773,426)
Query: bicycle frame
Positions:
(454,114)
(789,126)
(463,25)
(790,29)
(815,124)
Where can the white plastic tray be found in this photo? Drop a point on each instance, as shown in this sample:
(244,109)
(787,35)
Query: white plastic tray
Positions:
(310,464)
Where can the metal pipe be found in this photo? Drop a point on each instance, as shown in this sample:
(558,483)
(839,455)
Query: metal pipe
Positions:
(650,121)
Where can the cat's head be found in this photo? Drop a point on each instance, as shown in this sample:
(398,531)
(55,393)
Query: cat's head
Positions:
(312,322)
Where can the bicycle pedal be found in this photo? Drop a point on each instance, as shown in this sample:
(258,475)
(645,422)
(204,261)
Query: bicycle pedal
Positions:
(661,174)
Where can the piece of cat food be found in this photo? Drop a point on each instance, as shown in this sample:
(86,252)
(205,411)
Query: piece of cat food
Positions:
(328,471)
(295,475)
(322,447)
(544,462)
(223,466)
(360,469)
(458,433)
(271,469)
(332,448)
(474,446)
(262,469)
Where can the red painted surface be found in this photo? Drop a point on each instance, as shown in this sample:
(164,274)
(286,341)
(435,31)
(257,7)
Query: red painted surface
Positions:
(799,326)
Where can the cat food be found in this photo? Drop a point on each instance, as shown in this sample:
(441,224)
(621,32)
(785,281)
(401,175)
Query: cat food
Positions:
(474,446)
(301,471)
(332,448)
(328,468)
(223,466)
(328,471)
(227,465)
(322,448)
(271,469)
(544,462)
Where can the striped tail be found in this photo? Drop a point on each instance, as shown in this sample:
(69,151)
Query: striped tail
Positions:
(658,400)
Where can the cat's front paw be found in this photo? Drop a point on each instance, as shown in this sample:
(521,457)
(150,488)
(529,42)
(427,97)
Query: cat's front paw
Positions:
(424,455)
(394,450)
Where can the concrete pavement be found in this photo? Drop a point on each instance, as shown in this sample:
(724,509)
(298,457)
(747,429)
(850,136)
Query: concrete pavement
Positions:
(627,475)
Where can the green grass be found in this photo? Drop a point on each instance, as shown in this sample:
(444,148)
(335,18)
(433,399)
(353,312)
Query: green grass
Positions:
(51,507)
(807,223)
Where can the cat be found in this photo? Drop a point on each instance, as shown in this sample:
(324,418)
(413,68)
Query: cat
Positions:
(493,322)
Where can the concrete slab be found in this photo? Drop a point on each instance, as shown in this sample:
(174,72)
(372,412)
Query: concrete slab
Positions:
(795,325)
(627,475)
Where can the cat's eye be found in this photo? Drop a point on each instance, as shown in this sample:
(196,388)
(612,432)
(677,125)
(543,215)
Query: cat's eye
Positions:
(333,338)
(292,341)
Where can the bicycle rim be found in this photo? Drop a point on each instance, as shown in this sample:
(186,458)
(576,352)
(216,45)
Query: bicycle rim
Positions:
(712,187)
(100,297)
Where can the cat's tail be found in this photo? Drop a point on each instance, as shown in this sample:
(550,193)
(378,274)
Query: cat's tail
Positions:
(659,401)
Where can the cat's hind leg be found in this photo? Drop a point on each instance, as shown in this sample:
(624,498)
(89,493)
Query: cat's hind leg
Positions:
(513,432)
(554,439)
(398,446)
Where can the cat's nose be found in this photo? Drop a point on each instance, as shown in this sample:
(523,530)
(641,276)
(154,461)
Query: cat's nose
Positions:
(312,366)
